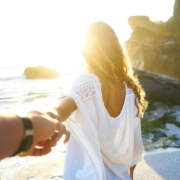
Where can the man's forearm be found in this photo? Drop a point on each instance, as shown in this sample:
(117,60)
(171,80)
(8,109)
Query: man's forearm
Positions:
(11,134)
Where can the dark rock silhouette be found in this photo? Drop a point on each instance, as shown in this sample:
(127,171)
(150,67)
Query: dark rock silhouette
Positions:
(40,72)
(159,88)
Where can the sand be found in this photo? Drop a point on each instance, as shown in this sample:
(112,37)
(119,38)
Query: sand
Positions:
(159,165)
(162,164)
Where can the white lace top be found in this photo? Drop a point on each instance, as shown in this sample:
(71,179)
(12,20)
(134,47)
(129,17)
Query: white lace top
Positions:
(101,147)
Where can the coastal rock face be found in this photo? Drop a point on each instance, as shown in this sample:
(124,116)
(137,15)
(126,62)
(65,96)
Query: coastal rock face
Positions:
(155,47)
(40,72)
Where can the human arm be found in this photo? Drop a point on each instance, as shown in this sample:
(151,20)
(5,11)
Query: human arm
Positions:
(64,107)
(47,132)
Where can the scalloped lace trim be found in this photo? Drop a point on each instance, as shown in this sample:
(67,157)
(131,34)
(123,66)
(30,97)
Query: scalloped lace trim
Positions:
(92,87)
(89,88)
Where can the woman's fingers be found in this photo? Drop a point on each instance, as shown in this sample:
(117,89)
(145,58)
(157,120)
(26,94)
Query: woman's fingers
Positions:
(60,130)
(67,136)
(53,115)
(41,151)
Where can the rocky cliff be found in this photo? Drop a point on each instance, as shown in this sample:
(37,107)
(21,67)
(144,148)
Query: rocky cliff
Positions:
(155,46)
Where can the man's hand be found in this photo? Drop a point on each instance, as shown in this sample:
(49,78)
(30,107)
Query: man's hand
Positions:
(47,132)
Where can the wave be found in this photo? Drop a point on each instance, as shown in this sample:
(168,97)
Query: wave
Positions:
(12,77)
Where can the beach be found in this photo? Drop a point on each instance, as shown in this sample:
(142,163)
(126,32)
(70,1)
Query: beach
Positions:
(160,164)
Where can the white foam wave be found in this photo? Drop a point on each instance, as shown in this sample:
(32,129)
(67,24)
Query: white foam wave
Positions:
(12,77)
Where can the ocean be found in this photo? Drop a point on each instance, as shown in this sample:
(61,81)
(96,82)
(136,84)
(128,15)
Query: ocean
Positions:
(20,95)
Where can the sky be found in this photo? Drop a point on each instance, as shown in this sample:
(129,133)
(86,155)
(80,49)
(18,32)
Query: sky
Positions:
(41,32)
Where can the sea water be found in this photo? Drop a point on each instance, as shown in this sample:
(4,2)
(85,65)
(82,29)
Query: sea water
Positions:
(20,95)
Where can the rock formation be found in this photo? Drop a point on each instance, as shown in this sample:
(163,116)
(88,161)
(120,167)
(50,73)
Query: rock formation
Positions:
(159,88)
(154,47)
(40,72)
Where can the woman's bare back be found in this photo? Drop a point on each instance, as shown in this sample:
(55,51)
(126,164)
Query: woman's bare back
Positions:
(113,97)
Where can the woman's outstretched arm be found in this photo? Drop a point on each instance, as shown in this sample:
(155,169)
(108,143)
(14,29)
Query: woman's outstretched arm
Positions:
(65,107)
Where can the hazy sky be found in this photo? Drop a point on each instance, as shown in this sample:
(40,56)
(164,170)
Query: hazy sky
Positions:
(49,32)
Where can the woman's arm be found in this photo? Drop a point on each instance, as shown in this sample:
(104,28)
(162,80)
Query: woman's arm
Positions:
(65,107)
(132,171)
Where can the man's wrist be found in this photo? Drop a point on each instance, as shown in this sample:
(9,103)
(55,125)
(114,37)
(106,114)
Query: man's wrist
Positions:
(28,136)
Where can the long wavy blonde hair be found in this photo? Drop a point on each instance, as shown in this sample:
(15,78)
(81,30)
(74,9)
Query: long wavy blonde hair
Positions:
(106,58)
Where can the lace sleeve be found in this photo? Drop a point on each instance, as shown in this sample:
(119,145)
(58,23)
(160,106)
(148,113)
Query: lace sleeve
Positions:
(86,86)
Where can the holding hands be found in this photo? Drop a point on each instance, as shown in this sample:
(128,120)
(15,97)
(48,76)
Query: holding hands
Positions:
(47,132)
(33,135)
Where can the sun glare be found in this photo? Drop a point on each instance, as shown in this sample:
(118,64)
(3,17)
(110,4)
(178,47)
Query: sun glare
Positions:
(50,33)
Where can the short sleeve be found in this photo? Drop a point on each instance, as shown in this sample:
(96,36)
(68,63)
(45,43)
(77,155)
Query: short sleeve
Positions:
(86,86)
(83,87)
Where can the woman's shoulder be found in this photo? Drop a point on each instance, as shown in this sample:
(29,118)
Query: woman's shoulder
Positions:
(85,79)
(86,85)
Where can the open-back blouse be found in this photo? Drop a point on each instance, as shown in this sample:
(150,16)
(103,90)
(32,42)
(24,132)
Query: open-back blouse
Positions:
(101,147)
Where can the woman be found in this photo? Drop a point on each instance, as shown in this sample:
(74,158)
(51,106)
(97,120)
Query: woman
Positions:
(103,110)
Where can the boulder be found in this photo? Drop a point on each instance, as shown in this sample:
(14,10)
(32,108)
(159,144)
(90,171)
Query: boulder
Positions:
(40,72)
(159,88)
